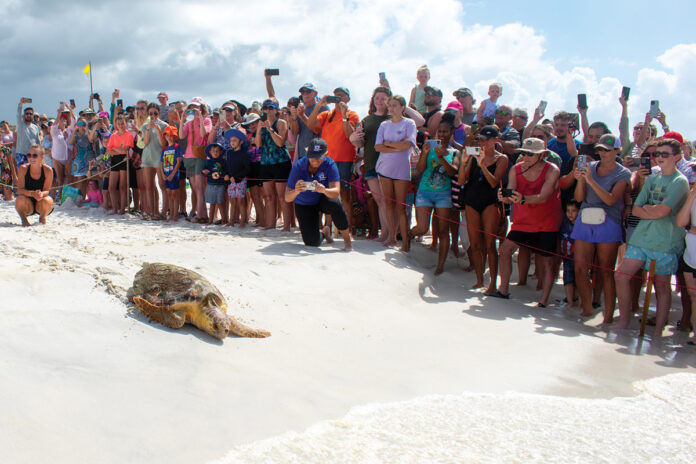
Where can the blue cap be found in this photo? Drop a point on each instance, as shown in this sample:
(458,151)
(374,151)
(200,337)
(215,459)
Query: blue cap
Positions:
(207,149)
(270,104)
(308,86)
(344,90)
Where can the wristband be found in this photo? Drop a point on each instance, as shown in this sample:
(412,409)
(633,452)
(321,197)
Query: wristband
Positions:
(523,200)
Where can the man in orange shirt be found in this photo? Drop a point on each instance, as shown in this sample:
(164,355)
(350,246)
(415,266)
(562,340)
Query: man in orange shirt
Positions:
(336,127)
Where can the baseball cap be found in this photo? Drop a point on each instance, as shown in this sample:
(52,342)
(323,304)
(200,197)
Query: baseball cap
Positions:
(308,86)
(198,100)
(674,136)
(433,90)
(608,142)
(344,90)
(163,94)
(489,132)
(317,148)
(463,91)
(229,106)
(103,114)
(171,130)
(532,145)
(89,111)
(454,106)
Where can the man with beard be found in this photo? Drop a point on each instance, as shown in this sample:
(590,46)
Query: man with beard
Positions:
(28,133)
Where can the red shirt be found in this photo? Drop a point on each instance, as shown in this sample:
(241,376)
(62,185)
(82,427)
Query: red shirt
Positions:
(542,217)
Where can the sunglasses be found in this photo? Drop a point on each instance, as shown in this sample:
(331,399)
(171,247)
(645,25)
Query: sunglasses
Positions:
(140,108)
(304,91)
(31,115)
(637,128)
(663,154)
(524,153)
(33,155)
(503,112)
(153,113)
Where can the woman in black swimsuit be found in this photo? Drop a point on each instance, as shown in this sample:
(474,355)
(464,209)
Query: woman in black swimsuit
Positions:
(482,174)
(34,180)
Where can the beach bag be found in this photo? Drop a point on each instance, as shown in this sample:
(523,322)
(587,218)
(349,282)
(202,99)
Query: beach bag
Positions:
(593,216)
(69,192)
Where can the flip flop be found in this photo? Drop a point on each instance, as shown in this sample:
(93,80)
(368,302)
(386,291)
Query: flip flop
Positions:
(497,294)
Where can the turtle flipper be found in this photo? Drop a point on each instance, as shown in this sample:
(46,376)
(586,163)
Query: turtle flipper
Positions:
(162,314)
(241,330)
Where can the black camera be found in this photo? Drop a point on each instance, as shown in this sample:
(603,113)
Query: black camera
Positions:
(264,116)
(333,99)
(96,96)
(507,193)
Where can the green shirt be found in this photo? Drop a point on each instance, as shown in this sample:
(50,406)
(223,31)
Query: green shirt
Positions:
(662,234)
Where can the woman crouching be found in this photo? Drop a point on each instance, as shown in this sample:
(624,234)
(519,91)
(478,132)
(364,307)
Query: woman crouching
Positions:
(34,179)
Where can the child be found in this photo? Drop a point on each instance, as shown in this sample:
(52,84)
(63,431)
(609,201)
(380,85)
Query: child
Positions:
(571,214)
(488,107)
(237,160)
(94,195)
(417,99)
(169,170)
(215,171)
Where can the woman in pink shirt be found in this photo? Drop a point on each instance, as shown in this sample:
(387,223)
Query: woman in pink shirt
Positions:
(194,127)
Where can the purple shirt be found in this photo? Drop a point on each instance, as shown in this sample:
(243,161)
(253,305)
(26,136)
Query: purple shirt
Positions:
(396,165)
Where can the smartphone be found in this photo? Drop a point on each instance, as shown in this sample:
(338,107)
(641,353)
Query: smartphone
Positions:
(272,72)
(542,106)
(654,108)
(645,162)
(473,151)
(574,120)
(434,143)
(72,103)
(582,101)
(582,162)
(382,76)
(264,116)
(96,96)
(333,99)
(625,92)
(507,193)
(119,102)
(311,186)
(27,100)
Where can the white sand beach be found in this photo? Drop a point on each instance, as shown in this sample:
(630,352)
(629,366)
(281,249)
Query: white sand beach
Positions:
(85,377)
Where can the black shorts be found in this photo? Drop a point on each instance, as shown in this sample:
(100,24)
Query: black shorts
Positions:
(543,243)
(254,175)
(278,171)
(117,163)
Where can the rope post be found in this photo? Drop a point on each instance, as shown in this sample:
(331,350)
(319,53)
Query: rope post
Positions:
(646,302)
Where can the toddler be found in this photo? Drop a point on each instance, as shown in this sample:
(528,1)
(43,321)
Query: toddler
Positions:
(215,171)
(571,214)
(237,161)
(417,99)
(94,195)
(489,105)
(169,171)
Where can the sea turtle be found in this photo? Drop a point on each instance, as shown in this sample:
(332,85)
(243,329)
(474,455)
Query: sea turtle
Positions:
(173,295)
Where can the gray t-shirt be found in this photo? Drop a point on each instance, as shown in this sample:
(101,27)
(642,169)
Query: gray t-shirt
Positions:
(592,200)
(27,134)
(305,135)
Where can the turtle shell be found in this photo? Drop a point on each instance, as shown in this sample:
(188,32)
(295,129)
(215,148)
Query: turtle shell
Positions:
(166,284)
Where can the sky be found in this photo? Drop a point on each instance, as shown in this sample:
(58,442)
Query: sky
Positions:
(218,49)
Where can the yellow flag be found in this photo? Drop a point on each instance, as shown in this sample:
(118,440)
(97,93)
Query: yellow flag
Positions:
(86,70)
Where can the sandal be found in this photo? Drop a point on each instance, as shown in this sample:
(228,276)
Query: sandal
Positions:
(497,294)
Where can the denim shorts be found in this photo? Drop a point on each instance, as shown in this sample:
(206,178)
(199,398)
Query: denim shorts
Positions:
(428,199)
(568,271)
(607,232)
(345,171)
(215,194)
(665,263)
(371,174)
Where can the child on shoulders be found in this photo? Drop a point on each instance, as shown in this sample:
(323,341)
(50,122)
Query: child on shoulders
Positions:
(417,99)
(488,107)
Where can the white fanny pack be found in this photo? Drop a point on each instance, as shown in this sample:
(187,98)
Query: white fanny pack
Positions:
(593,216)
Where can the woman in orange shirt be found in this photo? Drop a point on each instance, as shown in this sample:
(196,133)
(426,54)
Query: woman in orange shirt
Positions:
(120,143)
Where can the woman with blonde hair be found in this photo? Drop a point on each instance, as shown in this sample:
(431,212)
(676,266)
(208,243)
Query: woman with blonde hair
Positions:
(34,181)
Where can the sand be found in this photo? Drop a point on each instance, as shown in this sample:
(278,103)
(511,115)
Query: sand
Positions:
(84,377)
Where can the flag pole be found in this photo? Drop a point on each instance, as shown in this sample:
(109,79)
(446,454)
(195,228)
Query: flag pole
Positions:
(91,90)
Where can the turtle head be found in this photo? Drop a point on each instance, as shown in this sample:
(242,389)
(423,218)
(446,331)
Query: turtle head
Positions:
(216,320)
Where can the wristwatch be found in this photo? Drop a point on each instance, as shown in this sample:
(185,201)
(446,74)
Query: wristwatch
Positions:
(523,200)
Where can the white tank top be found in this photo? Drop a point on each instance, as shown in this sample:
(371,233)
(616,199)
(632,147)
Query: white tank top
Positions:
(690,252)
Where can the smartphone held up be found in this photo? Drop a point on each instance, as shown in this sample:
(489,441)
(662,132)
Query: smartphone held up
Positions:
(654,108)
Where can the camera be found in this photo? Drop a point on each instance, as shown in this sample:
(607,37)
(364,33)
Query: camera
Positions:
(119,102)
(333,99)
(645,162)
(272,72)
(311,186)
(264,116)
(507,193)
(96,96)
(473,151)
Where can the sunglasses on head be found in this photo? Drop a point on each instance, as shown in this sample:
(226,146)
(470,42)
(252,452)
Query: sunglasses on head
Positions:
(33,155)
(503,112)
(663,154)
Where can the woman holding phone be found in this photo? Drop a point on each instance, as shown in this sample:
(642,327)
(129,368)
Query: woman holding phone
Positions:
(600,188)
(481,174)
(436,166)
(394,142)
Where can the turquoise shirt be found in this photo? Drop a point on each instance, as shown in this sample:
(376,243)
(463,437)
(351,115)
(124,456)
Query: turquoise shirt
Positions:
(435,177)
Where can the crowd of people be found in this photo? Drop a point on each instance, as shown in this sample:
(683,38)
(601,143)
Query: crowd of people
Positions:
(565,191)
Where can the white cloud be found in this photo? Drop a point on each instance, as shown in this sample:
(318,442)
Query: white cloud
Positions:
(219,49)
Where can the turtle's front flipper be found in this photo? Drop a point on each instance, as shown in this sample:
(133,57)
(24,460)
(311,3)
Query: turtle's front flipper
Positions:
(162,314)
(241,330)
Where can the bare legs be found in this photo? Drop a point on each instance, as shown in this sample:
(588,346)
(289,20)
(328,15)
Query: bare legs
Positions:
(606,252)
(272,192)
(396,190)
(25,208)
(376,189)
(488,222)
